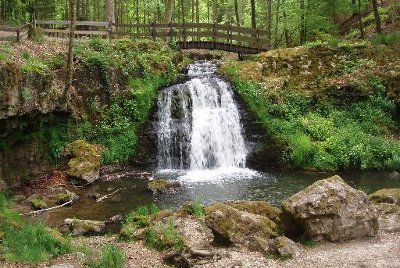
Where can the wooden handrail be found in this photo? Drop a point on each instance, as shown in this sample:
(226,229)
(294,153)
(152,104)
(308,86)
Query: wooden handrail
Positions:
(234,36)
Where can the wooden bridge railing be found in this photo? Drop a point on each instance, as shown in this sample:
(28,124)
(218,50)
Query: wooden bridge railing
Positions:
(183,33)
(16,33)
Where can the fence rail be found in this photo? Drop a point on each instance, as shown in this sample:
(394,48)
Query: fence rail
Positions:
(186,35)
(16,33)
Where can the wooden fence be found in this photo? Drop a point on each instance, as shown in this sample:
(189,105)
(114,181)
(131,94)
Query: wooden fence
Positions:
(14,33)
(186,35)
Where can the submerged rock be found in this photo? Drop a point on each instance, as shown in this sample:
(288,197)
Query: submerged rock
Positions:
(84,227)
(163,186)
(329,210)
(37,202)
(65,196)
(85,164)
(391,196)
(238,226)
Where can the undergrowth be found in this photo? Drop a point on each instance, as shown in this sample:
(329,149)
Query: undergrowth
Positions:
(323,135)
(29,242)
(111,256)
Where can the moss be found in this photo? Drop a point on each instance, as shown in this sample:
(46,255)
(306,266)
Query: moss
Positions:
(257,207)
(391,196)
(38,203)
(86,158)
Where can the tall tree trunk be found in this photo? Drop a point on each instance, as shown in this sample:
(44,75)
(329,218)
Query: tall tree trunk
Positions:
(276,24)
(237,17)
(377,18)
(269,22)
(110,11)
(70,63)
(362,35)
(302,23)
(285,26)
(168,11)
(253,14)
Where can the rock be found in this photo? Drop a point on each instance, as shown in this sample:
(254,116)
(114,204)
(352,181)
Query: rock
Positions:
(84,227)
(65,196)
(329,210)
(389,217)
(394,175)
(38,203)
(115,218)
(284,247)
(238,226)
(95,196)
(195,234)
(390,195)
(85,164)
(257,207)
(63,265)
(18,198)
(259,244)
(3,185)
(163,186)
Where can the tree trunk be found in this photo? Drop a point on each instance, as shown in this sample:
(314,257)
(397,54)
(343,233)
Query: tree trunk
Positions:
(286,31)
(110,11)
(253,14)
(70,63)
(276,24)
(237,13)
(302,23)
(362,35)
(377,18)
(168,11)
(269,22)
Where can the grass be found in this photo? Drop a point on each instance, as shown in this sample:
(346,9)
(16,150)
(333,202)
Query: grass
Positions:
(29,242)
(163,236)
(197,209)
(111,256)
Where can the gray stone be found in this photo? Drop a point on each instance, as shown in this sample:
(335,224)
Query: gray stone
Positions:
(329,210)
(195,233)
(63,265)
(84,227)
(284,247)
(394,175)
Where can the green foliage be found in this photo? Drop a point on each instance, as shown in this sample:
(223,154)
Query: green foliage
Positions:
(28,242)
(391,39)
(162,236)
(325,136)
(197,209)
(111,256)
(141,216)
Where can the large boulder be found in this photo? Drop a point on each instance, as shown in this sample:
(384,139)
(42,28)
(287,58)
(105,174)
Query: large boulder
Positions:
(329,210)
(163,186)
(238,226)
(391,196)
(194,233)
(85,164)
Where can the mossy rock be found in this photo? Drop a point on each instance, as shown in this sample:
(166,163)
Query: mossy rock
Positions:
(84,227)
(257,207)
(238,226)
(65,196)
(86,160)
(38,203)
(162,186)
(389,195)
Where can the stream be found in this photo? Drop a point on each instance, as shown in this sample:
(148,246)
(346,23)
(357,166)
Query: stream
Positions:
(201,144)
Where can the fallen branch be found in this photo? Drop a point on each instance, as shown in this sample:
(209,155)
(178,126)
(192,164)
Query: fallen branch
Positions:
(107,196)
(47,209)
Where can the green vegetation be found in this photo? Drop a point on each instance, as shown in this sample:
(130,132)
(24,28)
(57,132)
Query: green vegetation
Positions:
(327,132)
(111,256)
(28,242)
(197,209)
(162,236)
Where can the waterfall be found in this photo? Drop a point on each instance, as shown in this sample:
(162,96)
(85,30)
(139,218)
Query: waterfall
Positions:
(198,124)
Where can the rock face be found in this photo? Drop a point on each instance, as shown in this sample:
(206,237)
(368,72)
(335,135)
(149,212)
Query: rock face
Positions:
(163,186)
(85,164)
(195,234)
(238,226)
(84,227)
(329,210)
(391,196)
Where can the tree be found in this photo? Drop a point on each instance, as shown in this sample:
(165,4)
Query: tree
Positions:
(253,14)
(70,63)
(377,18)
(110,11)
(168,11)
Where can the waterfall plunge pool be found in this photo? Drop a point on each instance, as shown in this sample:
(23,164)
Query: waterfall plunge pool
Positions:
(200,143)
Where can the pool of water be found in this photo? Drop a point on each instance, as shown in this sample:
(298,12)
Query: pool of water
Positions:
(207,187)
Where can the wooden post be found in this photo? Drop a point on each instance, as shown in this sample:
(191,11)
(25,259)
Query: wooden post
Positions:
(18,35)
(230,36)
(153,31)
(184,34)
(214,35)
(170,31)
(258,41)
(110,30)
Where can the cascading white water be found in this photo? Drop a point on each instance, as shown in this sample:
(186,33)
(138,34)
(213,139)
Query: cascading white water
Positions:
(199,126)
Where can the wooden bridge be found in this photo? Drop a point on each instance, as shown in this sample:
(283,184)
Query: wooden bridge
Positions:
(185,35)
